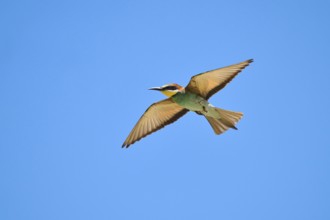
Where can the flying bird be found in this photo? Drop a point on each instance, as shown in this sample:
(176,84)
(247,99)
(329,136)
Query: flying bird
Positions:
(194,97)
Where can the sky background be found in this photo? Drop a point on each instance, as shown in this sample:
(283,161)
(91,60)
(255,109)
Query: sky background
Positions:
(73,82)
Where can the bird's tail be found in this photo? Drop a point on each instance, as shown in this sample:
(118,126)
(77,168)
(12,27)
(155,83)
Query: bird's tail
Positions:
(228,119)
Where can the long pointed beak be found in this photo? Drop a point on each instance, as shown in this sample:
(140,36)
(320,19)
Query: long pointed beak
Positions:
(155,88)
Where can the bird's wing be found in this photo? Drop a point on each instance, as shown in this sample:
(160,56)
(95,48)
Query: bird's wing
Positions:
(157,116)
(208,83)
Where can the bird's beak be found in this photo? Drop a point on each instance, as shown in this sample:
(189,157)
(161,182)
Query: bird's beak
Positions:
(155,88)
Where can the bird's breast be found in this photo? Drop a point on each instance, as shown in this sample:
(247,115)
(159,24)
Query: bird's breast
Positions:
(191,101)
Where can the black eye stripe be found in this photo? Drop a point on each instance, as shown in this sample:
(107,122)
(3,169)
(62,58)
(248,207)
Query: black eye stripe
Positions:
(170,88)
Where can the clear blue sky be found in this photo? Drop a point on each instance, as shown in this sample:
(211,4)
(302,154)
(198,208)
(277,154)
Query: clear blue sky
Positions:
(73,82)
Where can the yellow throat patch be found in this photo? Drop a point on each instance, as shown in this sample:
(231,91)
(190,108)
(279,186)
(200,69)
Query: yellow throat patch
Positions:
(169,93)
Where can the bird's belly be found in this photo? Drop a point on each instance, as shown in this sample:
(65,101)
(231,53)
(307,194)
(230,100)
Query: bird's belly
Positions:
(192,102)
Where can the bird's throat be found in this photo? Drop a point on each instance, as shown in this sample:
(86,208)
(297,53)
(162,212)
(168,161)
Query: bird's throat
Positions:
(168,93)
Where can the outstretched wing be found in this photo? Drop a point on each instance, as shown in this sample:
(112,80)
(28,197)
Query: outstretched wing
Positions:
(157,116)
(208,83)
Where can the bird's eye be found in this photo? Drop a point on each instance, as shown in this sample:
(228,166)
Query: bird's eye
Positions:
(170,88)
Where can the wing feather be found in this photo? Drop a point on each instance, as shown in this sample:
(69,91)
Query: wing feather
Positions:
(157,116)
(208,83)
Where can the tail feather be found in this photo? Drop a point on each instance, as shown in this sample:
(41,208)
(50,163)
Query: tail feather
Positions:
(228,119)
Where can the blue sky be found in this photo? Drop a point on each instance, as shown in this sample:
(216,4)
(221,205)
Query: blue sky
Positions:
(73,82)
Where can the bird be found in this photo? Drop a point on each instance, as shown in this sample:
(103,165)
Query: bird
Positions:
(194,97)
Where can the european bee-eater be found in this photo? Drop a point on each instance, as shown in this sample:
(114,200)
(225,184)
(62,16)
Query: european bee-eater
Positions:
(192,98)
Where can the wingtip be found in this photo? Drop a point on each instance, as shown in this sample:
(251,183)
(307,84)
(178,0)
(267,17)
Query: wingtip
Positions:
(250,60)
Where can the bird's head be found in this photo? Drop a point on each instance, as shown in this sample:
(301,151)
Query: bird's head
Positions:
(169,89)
